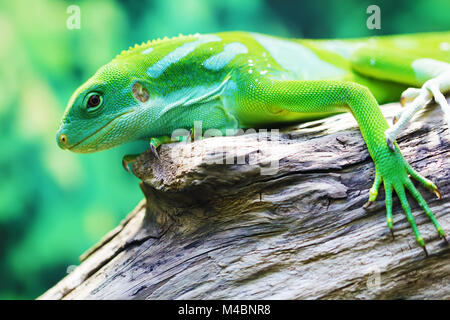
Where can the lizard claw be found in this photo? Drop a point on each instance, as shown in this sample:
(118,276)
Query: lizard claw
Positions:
(155,151)
(437,193)
(193,136)
(390,144)
(392,233)
(125,165)
(394,120)
(425,250)
(422,244)
(367,205)
(127,160)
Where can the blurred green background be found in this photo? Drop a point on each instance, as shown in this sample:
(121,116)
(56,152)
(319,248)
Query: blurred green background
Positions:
(55,204)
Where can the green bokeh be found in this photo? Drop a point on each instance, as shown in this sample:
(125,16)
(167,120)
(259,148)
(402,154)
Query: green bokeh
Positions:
(55,204)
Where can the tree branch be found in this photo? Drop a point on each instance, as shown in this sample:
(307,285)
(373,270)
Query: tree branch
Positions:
(231,231)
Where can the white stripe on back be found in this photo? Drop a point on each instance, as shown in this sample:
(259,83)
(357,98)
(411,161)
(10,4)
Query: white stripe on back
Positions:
(220,60)
(179,53)
(298,59)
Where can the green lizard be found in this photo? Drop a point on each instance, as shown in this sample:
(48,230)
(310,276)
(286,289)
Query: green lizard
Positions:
(237,80)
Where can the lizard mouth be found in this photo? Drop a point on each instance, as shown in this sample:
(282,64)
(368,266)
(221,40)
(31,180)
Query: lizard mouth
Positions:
(102,128)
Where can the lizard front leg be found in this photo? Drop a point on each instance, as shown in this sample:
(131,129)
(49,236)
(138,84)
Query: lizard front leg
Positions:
(155,143)
(331,96)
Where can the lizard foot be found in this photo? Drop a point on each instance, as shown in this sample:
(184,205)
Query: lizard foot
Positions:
(155,143)
(413,99)
(407,96)
(395,172)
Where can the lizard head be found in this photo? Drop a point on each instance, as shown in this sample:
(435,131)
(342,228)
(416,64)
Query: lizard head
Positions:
(99,114)
(122,97)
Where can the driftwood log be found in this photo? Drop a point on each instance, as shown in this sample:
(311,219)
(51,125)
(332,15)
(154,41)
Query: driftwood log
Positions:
(222,221)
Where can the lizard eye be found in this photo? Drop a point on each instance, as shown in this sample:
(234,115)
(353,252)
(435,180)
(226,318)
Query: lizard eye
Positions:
(94,100)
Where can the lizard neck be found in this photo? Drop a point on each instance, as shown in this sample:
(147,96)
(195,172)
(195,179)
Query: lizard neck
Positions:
(180,107)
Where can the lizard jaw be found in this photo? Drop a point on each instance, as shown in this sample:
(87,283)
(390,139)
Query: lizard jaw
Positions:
(101,132)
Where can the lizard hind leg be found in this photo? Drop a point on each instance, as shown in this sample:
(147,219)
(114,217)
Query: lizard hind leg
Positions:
(416,99)
(407,97)
(391,168)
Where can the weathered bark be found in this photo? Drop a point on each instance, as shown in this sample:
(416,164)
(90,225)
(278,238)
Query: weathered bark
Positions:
(226,231)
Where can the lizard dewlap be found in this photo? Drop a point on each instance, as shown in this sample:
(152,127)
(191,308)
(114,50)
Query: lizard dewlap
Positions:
(235,80)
